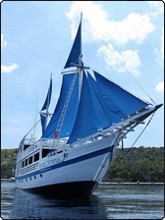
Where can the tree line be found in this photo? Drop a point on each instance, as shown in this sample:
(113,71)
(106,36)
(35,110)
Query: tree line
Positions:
(124,166)
(132,164)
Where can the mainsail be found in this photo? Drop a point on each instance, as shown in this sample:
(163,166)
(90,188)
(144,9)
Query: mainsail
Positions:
(44,111)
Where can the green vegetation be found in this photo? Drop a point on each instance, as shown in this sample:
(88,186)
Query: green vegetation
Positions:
(8,162)
(149,159)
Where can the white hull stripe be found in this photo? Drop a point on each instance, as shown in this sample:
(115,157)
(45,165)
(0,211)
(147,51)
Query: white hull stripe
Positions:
(68,162)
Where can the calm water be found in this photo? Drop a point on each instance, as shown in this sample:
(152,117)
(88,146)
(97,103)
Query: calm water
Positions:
(108,202)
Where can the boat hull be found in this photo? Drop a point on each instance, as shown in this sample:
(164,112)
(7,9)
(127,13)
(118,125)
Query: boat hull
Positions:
(66,190)
(77,175)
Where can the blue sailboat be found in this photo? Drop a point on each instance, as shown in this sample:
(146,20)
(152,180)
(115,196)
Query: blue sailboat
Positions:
(91,117)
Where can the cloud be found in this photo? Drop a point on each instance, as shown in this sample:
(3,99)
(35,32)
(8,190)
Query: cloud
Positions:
(160,87)
(157,8)
(3,42)
(127,60)
(162,42)
(135,27)
(9,69)
(12,66)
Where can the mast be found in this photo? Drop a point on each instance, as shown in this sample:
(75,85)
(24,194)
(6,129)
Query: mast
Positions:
(81,64)
(35,119)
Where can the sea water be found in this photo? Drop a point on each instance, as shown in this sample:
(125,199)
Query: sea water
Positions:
(109,201)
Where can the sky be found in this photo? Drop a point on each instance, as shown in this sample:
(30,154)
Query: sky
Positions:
(122,40)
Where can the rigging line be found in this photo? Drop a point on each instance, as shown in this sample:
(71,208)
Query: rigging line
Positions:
(145,177)
(127,154)
(129,73)
(64,110)
(32,128)
(125,68)
(136,138)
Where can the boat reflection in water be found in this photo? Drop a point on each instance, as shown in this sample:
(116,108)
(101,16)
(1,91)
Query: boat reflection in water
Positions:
(47,207)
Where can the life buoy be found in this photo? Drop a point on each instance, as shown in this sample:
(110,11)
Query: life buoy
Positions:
(56,133)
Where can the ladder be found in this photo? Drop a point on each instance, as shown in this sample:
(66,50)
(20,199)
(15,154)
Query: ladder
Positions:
(64,110)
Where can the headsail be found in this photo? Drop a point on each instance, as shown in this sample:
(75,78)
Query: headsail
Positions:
(44,111)
(75,53)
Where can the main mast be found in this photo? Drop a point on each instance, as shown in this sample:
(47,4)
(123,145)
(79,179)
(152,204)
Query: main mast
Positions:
(80,65)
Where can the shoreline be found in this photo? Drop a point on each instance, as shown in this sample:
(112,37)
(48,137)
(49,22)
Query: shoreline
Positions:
(109,183)
(131,183)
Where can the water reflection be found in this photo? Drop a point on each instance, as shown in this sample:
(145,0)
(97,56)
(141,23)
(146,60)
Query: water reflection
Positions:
(29,205)
(7,195)
(108,201)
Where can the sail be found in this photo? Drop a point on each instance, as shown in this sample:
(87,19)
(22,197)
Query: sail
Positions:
(75,51)
(45,106)
(122,99)
(111,111)
(102,103)
(88,104)
(90,116)
(71,108)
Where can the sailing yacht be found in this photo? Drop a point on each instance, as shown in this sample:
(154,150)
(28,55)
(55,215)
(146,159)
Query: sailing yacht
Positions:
(91,117)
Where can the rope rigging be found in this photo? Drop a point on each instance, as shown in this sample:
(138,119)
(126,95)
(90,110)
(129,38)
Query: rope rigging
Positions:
(136,138)
(63,113)
(144,176)
(127,154)
(122,64)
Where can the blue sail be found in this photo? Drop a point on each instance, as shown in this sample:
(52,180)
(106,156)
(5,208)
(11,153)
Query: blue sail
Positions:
(111,111)
(75,51)
(90,116)
(114,94)
(45,107)
(71,112)
(102,103)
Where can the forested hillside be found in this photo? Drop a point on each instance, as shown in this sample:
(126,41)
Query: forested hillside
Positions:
(8,162)
(149,159)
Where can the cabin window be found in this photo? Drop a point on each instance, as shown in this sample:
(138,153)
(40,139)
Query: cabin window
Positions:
(36,157)
(26,162)
(45,152)
(26,146)
(30,160)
